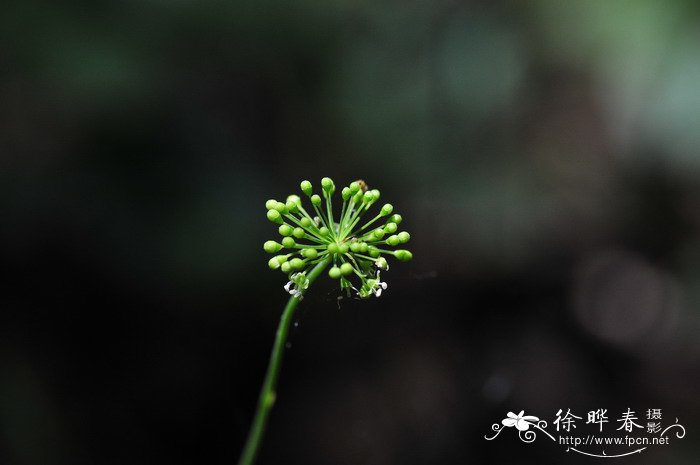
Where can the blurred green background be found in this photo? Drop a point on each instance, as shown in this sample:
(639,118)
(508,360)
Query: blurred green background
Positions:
(545,157)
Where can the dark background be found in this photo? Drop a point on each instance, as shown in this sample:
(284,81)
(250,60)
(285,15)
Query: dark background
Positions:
(544,155)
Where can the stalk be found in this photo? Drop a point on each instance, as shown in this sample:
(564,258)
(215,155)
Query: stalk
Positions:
(267,393)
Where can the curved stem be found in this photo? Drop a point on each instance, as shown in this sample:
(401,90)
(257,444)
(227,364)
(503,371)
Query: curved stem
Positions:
(267,392)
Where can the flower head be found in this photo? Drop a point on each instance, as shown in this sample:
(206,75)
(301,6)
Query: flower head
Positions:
(355,252)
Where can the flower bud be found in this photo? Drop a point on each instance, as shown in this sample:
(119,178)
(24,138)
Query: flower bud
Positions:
(286,267)
(272,246)
(390,228)
(345,269)
(285,230)
(281,207)
(404,237)
(396,218)
(375,194)
(273,263)
(354,187)
(298,233)
(403,255)
(346,193)
(288,242)
(305,222)
(343,248)
(374,252)
(310,253)
(334,272)
(306,187)
(332,248)
(381,263)
(378,234)
(296,263)
(368,197)
(393,240)
(364,247)
(270,204)
(327,184)
(323,231)
(316,199)
(281,258)
(274,216)
(355,246)
(387,209)
(292,206)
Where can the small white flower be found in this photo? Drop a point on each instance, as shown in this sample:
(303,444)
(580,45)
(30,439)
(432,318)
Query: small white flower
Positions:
(380,287)
(299,283)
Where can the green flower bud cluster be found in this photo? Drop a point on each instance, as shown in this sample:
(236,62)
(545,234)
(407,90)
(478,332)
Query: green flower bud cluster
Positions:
(355,253)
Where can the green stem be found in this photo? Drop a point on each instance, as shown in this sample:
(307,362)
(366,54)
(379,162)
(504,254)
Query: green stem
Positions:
(357,233)
(267,392)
